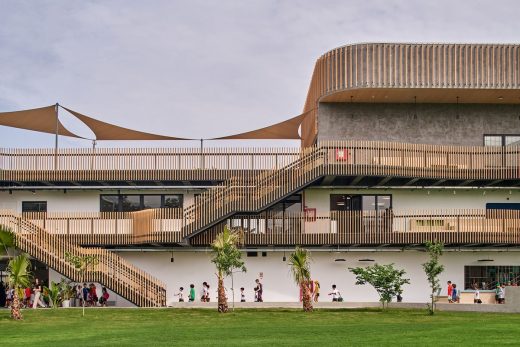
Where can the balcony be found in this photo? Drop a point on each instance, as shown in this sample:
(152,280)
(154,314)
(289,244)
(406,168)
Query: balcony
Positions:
(360,228)
(383,162)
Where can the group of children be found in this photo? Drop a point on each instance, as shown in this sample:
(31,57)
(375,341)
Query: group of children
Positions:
(205,297)
(88,295)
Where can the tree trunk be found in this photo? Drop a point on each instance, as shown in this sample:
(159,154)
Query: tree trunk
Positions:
(15,306)
(222,301)
(307,299)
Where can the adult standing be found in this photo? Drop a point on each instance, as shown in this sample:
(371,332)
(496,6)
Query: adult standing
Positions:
(3,297)
(259,290)
(37,289)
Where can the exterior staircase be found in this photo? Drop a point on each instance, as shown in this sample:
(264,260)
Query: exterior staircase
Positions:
(113,272)
(251,195)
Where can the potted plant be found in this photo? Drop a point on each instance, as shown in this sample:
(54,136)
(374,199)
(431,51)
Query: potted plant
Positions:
(52,294)
(66,292)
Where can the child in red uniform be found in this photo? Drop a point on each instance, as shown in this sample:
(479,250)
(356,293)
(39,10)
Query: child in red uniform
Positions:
(450,292)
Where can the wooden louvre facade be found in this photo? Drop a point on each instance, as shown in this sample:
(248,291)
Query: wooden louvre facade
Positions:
(401,72)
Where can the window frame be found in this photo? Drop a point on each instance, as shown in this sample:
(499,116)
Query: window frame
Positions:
(35,202)
(502,136)
(362,195)
(141,201)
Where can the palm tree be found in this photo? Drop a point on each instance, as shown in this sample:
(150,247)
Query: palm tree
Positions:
(19,277)
(6,240)
(300,268)
(226,257)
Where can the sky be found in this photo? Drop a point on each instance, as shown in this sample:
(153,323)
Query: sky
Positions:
(202,69)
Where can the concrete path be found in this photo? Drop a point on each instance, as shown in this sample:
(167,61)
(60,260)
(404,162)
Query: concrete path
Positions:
(352,305)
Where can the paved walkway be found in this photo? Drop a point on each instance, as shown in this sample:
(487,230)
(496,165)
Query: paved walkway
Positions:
(352,305)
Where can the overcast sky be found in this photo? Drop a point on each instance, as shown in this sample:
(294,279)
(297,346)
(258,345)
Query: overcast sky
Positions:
(203,68)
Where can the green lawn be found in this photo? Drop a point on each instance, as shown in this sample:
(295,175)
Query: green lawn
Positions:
(261,327)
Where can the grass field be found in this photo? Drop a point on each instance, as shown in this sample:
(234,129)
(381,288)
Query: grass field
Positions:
(260,327)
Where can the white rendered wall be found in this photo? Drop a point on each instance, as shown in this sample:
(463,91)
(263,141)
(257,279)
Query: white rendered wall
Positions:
(195,267)
(419,199)
(78,200)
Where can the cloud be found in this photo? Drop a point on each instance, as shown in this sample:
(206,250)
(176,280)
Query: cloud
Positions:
(204,68)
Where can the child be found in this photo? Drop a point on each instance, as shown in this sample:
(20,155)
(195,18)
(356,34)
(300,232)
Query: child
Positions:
(455,294)
(180,294)
(242,295)
(205,292)
(191,297)
(104,297)
(335,293)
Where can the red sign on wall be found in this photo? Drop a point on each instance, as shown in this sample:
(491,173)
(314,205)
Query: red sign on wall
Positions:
(342,154)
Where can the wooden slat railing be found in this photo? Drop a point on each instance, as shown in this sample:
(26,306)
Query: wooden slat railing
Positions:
(370,158)
(365,228)
(350,158)
(112,228)
(145,164)
(112,271)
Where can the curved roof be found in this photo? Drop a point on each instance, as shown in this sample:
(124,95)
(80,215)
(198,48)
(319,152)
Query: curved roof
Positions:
(405,72)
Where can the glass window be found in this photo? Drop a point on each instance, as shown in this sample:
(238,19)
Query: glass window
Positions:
(512,140)
(130,203)
(34,206)
(173,201)
(369,202)
(501,140)
(384,202)
(492,140)
(349,202)
(487,277)
(109,203)
(151,201)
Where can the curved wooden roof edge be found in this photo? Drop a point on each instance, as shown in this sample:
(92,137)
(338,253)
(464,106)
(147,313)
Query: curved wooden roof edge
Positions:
(413,72)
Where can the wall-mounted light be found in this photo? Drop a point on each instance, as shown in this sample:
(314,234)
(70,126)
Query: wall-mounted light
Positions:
(64,191)
(284,257)
(10,192)
(485,260)
(339,259)
(366,260)
(172,259)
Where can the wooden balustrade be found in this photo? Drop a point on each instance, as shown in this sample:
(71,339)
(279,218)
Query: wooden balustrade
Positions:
(112,271)
(367,228)
(112,164)
(112,228)
(163,226)
(361,158)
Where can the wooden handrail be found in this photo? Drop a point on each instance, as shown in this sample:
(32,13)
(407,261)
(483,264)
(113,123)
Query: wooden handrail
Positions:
(363,158)
(114,272)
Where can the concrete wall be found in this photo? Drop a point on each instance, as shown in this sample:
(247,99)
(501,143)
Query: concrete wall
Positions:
(418,199)
(447,124)
(195,267)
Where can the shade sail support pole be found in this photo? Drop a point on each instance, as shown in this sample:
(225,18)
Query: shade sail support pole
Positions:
(56,137)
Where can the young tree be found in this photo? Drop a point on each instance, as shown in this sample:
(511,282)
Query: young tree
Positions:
(386,280)
(226,257)
(432,269)
(82,264)
(300,268)
(19,277)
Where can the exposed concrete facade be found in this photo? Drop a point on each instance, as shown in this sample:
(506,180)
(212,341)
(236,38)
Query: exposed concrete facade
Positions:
(439,124)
